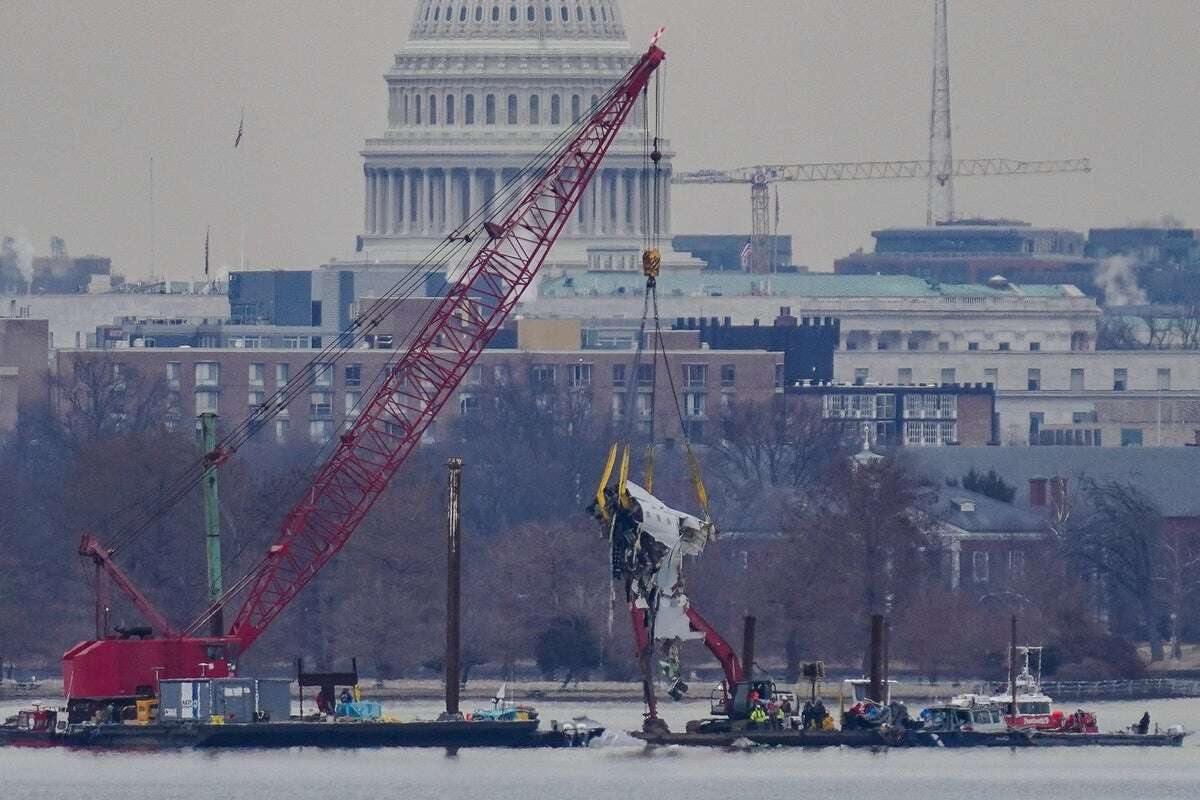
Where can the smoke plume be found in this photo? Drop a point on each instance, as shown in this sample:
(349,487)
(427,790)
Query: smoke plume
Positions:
(1116,276)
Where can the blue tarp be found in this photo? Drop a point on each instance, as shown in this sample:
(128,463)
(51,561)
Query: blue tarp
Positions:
(363,709)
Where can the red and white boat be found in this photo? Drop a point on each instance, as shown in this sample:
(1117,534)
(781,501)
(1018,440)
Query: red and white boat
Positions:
(1035,709)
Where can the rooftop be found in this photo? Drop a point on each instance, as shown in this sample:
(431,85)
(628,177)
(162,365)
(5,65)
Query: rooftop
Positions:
(1166,475)
(608,284)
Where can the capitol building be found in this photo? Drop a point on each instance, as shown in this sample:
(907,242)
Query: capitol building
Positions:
(477,92)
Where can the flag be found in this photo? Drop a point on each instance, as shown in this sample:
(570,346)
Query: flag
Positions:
(241,127)
(207,230)
(746,251)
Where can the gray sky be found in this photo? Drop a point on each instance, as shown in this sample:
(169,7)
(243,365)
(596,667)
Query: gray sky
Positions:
(91,89)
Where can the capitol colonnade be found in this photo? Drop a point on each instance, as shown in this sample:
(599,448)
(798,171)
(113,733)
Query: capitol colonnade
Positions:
(434,200)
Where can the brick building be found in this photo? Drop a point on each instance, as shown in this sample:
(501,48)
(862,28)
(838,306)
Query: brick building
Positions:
(598,383)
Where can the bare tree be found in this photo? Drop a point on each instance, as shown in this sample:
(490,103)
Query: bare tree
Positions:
(103,397)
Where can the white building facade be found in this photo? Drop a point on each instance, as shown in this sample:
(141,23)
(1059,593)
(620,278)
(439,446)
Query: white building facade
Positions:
(477,92)
(1106,398)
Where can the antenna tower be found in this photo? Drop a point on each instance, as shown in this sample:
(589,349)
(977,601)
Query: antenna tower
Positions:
(940,206)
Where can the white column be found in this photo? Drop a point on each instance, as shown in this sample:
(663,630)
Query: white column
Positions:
(366,200)
(447,209)
(389,226)
(426,204)
(401,201)
(636,199)
(469,192)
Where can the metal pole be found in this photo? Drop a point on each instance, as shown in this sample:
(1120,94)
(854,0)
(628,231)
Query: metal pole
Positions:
(1012,666)
(212,521)
(453,577)
(748,627)
(875,689)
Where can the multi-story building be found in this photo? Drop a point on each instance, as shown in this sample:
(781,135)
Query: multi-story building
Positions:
(24,368)
(875,312)
(974,251)
(602,385)
(1103,398)
(902,415)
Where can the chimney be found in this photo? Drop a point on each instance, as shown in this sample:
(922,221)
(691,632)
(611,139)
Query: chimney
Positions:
(1037,492)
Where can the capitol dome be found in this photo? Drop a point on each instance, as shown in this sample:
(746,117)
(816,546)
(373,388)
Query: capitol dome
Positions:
(477,92)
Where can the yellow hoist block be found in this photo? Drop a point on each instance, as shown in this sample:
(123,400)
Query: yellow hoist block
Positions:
(651,263)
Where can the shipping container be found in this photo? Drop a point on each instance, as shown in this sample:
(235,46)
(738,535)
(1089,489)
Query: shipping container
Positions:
(185,701)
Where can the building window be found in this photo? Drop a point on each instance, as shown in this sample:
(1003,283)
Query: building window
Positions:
(861,375)
(432,110)
(1016,564)
(618,375)
(914,344)
(495,13)
(695,375)
(566,16)
(208,373)
(207,402)
(530,14)
(930,433)
(695,403)
(728,375)
(992,376)
(417,110)
(576,108)
(474,376)
(320,405)
(1036,420)
(1120,380)
(979,566)
(1131,437)
(512,109)
(469,110)
(579,376)
(535,110)
(549,14)
(502,375)
(904,376)
(489,112)
(1079,341)
(257,374)
(281,430)
(555,110)
(1034,383)
(618,407)
(467,403)
(449,109)
(644,408)
(943,347)
(512,13)
(1164,380)
(645,374)
(353,399)
(282,374)
(1005,347)
(1077,380)
(323,374)
(948,375)
(541,376)
(1035,347)
(319,430)
(972,346)
(173,373)
(354,374)
(255,400)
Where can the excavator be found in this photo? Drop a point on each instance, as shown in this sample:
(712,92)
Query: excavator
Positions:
(649,541)
(512,237)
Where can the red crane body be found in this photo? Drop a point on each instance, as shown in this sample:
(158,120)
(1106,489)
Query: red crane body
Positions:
(370,452)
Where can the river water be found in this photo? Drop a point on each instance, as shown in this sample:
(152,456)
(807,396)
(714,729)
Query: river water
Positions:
(621,768)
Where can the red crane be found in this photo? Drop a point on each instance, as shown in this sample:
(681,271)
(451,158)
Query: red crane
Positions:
(371,450)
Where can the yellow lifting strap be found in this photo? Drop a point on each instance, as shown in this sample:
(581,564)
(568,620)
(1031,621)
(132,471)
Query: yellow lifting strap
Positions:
(622,478)
(601,500)
(698,481)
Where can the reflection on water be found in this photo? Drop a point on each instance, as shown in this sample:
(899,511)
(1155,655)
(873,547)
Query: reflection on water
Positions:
(620,768)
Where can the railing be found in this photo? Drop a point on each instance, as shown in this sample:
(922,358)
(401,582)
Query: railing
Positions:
(1117,689)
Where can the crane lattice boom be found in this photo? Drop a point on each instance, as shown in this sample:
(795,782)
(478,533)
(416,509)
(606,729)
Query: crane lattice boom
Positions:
(877,170)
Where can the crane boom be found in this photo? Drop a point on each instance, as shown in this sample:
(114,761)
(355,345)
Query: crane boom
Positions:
(762,177)
(423,379)
(877,170)
(411,391)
